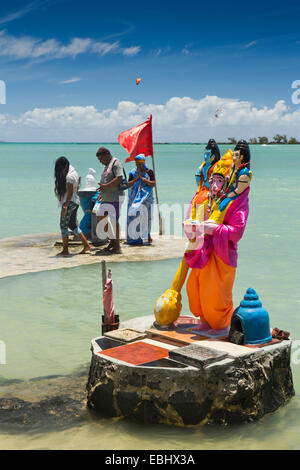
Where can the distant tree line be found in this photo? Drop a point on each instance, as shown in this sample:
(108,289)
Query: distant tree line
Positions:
(277,139)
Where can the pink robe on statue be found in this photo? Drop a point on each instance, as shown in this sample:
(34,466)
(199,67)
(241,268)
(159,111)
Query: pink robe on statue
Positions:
(210,283)
(225,237)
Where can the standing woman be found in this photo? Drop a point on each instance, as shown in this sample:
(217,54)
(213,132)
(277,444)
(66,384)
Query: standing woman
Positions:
(141,182)
(66,190)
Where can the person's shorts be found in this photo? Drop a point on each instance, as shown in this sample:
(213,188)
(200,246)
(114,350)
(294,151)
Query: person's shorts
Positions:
(112,209)
(69,221)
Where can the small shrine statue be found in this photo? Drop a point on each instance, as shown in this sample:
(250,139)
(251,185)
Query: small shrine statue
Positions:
(90,180)
(250,322)
(240,176)
(202,200)
(85,196)
(211,156)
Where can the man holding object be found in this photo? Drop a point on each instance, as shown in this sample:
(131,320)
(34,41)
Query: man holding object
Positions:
(111,196)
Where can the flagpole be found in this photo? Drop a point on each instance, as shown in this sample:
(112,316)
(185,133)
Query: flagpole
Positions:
(129,140)
(156,193)
(156,198)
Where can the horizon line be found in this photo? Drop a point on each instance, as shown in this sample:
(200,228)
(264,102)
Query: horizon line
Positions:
(154,143)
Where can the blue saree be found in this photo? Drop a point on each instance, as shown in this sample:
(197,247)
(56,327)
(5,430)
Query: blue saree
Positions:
(139,213)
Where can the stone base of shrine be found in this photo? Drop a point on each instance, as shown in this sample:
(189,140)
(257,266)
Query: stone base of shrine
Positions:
(185,379)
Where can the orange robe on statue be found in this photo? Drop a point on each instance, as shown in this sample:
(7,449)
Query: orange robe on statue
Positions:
(209,292)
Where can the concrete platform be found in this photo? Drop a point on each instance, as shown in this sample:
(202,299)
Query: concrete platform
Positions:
(156,380)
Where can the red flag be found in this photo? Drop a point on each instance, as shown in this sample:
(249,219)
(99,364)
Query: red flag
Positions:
(138,140)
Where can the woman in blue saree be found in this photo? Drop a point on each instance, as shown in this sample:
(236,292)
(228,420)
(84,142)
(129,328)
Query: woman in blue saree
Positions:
(141,181)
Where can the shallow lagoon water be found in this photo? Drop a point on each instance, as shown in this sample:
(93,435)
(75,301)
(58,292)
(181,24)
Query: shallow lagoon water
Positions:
(48,318)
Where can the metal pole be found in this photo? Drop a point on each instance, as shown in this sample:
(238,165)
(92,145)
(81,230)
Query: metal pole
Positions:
(156,198)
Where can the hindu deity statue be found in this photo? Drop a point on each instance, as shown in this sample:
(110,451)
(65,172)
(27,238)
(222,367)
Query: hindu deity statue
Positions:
(212,252)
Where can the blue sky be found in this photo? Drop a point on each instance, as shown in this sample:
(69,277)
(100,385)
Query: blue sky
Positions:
(68,53)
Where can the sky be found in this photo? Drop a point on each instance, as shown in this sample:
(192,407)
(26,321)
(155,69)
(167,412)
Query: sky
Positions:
(208,69)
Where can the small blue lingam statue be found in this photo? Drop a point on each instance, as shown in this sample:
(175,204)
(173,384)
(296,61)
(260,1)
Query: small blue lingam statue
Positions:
(250,323)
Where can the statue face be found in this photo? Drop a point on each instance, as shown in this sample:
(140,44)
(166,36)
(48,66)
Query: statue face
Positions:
(216,183)
(237,158)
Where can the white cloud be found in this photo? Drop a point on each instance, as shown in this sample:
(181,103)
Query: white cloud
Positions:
(14,15)
(180,119)
(77,46)
(104,48)
(3,119)
(131,51)
(71,80)
(38,49)
(161,51)
(27,47)
(250,44)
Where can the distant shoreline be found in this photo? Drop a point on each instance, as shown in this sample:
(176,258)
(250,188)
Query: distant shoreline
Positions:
(154,143)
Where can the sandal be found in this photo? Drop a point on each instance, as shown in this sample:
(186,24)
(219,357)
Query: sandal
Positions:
(104,251)
(116,251)
(280,334)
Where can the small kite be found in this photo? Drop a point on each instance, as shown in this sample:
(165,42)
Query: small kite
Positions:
(138,80)
(218,112)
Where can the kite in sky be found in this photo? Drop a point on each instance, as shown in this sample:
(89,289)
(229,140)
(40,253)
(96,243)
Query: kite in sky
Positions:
(218,112)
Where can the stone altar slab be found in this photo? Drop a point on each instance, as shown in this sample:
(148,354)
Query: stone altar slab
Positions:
(197,355)
(136,353)
(126,335)
(179,337)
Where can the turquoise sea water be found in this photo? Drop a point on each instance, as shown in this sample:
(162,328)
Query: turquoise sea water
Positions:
(48,318)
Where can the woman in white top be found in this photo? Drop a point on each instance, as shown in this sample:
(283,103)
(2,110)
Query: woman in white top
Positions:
(66,190)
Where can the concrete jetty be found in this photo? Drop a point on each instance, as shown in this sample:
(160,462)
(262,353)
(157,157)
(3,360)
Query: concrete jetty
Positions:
(34,253)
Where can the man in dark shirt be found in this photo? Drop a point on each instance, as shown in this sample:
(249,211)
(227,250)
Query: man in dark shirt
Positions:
(111,196)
